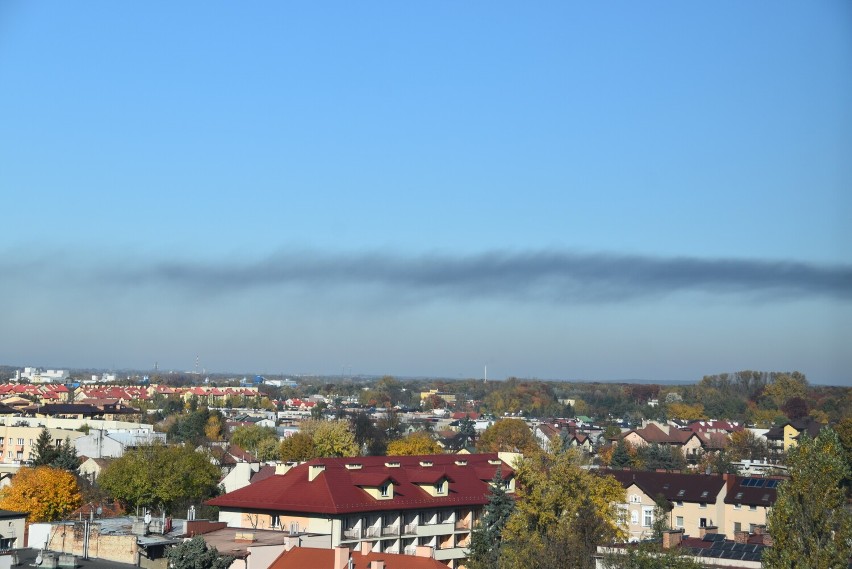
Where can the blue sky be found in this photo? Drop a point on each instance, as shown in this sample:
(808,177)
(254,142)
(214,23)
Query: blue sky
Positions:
(631,190)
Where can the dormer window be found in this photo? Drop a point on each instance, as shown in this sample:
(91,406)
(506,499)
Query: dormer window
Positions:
(441,487)
(384,489)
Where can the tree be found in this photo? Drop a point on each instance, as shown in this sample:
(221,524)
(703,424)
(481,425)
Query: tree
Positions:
(333,438)
(194,554)
(160,475)
(648,556)
(487,536)
(46,494)
(562,514)
(298,447)
(467,431)
(512,435)
(809,522)
(621,455)
(44,452)
(66,457)
(249,437)
(414,444)
(746,445)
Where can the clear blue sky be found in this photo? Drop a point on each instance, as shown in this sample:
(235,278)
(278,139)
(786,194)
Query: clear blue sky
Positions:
(564,190)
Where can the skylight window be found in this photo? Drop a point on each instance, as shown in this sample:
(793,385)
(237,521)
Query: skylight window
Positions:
(681,492)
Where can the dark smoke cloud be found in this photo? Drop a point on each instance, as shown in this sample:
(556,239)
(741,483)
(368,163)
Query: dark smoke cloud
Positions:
(560,276)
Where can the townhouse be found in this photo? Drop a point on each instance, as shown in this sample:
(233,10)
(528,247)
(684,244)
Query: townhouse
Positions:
(727,503)
(377,504)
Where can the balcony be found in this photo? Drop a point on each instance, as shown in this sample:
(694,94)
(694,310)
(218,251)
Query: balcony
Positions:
(390,530)
(373,531)
(451,553)
(353,533)
(411,550)
(462,525)
(436,529)
(410,529)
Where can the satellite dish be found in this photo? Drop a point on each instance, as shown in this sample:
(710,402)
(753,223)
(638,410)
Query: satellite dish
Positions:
(99,511)
(38,559)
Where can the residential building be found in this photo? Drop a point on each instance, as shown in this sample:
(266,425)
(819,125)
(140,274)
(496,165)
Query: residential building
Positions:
(783,437)
(12,526)
(18,439)
(112,443)
(340,558)
(379,504)
(732,503)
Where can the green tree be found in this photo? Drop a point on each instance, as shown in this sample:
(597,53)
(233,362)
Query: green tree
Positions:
(249,437)
(44,452)
(487,536)
(809,523)
(467,431)
(621,456)
(648,556)
(66,457)
(194,554)
(160,475)
(563,513)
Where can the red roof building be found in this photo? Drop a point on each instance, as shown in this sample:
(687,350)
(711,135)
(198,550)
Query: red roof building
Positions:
(378,504)
(338,558)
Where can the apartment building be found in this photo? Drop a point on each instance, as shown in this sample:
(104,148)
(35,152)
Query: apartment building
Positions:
(17,440)
(375,504)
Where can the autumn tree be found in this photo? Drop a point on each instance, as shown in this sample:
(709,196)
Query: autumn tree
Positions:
(745,445)
(809,521)
(298,447)
(160,475)
(333,438)
(509,435)
(562,514)
(194,554)
(414,444)
(46,494)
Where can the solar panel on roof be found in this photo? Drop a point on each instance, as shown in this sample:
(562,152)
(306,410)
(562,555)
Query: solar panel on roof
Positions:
(771,483)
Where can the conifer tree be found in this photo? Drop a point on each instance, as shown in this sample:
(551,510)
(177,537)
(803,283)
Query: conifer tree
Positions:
(621,456)
(487,536)
(44,453)
(66,457)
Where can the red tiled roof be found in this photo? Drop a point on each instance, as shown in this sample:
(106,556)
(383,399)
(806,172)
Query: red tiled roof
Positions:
(315,558)
(335,490)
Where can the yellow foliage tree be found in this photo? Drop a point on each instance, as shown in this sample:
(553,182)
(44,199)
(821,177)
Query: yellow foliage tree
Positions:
(686,412)
(414,444)
(46,494)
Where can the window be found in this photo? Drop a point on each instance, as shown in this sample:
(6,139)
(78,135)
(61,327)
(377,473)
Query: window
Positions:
(10,454)
(680,493)
(737,506)
(702,505)
(21,441)
(439,487)
(738,527)
(679,521)
(384,489)
(702,522)
(647,516)
(634,517)
(679,504)
(751,528)
(507,485)
(752,508)
(275,522)
(635,499)
(31,442)
(2,440)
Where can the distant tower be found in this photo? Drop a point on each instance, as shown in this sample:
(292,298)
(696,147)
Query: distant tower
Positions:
(486,375)
(156,366)
(196,365)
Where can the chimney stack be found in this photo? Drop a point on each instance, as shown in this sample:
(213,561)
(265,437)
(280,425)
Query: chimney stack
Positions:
(341,557)
(741,536)
(672,538)
(707,529)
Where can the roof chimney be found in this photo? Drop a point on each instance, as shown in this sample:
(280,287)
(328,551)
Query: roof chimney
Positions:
(707,529)
(341,557)
(672,538)
(741,536)
(377,564)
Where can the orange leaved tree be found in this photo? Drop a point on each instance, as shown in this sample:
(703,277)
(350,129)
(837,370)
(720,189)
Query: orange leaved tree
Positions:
(46,494)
